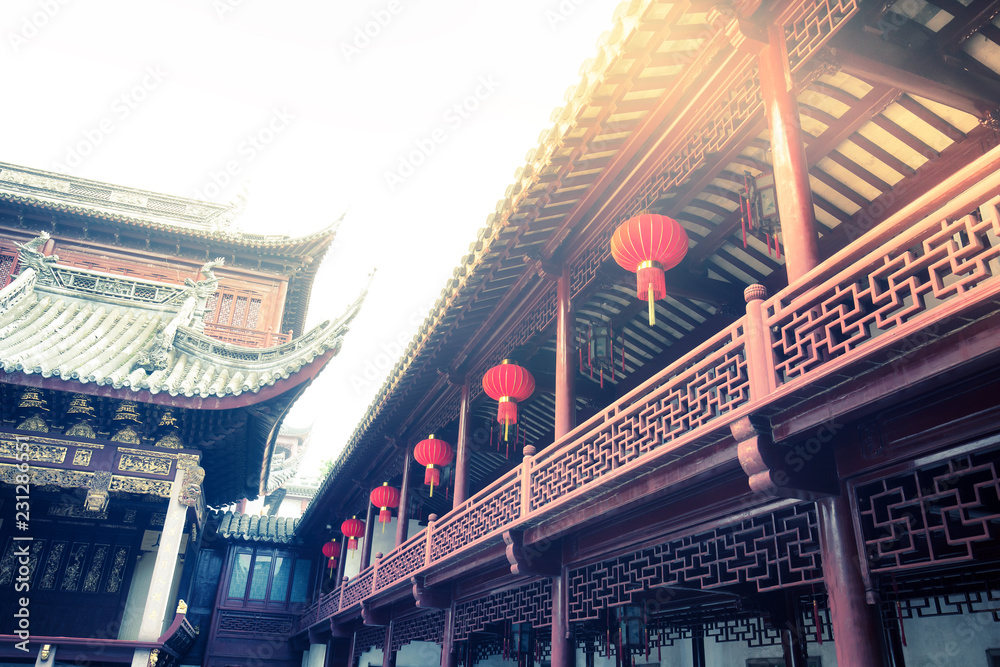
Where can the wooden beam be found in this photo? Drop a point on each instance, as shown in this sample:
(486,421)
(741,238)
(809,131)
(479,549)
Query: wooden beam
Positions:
(880,62)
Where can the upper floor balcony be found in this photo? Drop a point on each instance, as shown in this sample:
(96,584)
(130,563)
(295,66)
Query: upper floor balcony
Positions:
(911,300)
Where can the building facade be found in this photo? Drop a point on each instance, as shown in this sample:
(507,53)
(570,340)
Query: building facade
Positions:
(149,354)
(797,462)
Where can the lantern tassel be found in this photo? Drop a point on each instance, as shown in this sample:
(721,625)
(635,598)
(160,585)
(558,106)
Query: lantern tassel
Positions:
(652,308)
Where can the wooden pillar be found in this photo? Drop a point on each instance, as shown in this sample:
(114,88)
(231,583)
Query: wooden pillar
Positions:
(388,659)
(565,417)
(339,578)
(698,647)
(855,623)
(366,548)
(791,171)
(563,651)
(462,448)
(449,654)
(403,520)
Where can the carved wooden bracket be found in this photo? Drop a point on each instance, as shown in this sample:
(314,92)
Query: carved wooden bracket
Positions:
(373,616)
(531,559)
(429,598)
(805,468)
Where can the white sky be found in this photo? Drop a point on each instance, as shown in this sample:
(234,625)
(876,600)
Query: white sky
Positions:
(198,97)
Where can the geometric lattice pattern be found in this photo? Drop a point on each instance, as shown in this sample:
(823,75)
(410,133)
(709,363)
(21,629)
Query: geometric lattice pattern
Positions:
(770,551)
(427,627)
(368,638)
(356,589)
(258,624)
(402,562)
(813,24)
(492,512)
(714,385)
(531,603)
(936,514)
(928,266)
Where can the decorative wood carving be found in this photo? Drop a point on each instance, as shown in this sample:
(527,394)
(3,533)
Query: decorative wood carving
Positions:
(806,469)
(530,560)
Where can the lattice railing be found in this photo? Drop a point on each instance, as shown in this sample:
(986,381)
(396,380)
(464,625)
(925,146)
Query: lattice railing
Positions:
(357,589)
(119,287)
(896,288)
(708,382)
(245,337)
(402,561)
(494,508)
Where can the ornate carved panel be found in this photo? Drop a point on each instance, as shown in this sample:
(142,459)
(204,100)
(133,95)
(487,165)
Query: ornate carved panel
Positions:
(716,384)
(424,628)
(812,24)
(946,512)
(531,603)
(149,464)
(770,551)
(247,623)
(117,572)
(137,485)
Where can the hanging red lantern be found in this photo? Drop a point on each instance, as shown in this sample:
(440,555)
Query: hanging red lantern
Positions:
(508,383)
(385,497)
(331,550)
(353,529)
(648,245)
(433,453)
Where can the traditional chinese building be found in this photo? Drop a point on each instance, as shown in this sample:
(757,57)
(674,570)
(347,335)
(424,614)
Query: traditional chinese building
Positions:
(797,462)
(149,352)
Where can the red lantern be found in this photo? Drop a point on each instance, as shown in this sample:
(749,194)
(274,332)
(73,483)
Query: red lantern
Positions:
(354,529)
(649,244)
(384,497)
(430,453)
(508,383)
(331,550)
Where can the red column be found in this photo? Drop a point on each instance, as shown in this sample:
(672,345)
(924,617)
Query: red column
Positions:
(449,656)
(565,416)
(403,519)
(563,651)
(791,172)
(366,548)
(855,623)
(462,448)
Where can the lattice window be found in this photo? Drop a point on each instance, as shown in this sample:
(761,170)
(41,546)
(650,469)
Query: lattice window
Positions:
(253,314)
(210,307)
(813,24)
(427,627)
(254,624)
(225,309)
(946,512)
(366,639)
(531,603)
(770,551)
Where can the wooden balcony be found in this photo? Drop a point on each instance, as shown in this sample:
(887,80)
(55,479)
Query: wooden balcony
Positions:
(245,337)
(912,300)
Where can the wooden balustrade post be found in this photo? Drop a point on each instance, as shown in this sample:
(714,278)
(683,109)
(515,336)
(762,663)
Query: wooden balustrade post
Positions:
(565,416)
(378,559)
(431,520)
(366,548)
(791,171)
(462,448)
(403,518)
(526,463)
(759,354)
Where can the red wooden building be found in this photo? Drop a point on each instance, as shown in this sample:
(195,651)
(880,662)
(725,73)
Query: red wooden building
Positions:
(797,463)
(149,352)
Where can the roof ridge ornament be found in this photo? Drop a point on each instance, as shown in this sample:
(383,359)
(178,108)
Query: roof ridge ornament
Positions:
(30,255)
(155,355)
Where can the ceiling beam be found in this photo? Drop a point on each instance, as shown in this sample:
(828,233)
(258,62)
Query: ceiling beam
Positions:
(879,62)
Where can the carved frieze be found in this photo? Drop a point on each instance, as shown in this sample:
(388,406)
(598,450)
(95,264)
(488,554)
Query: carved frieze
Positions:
(148,464)
(36,452)
(48,580)
(117,571)
(145,486)
(75,512)
(93,578)
(51,476)
(81,457)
